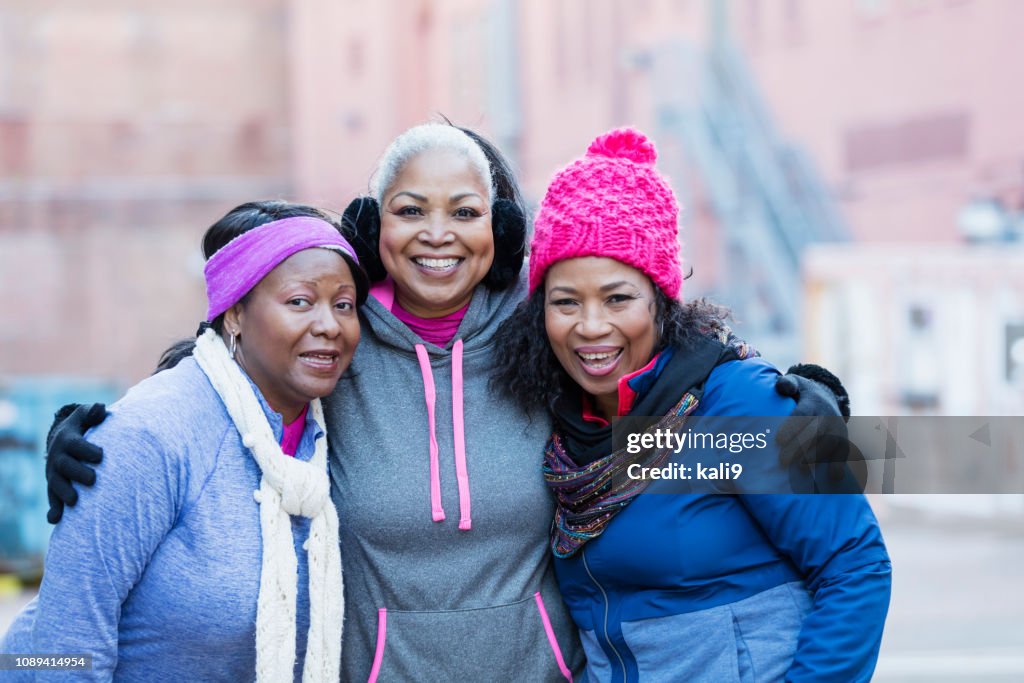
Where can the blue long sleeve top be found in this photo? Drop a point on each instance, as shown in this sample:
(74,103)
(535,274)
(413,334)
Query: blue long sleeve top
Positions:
(156,573)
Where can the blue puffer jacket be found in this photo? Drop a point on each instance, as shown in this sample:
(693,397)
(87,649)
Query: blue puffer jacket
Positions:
(685,587)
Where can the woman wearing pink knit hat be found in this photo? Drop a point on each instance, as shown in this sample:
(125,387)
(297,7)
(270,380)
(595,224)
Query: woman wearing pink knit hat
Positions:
(690,585)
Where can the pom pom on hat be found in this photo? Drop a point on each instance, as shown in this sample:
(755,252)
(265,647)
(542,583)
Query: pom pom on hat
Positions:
(611,202)
(624,143)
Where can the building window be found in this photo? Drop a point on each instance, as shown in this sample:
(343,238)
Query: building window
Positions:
(939,137)
(355,57)
(871,9)
(793,20)
(752,19)
(1015,352)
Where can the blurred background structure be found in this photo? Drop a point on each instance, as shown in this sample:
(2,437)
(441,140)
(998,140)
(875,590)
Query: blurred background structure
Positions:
(852,175)
(126,129)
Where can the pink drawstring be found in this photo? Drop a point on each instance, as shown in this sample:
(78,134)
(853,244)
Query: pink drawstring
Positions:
(430,395)
(459,426)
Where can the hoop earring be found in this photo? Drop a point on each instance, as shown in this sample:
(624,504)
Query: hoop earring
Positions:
(232,345)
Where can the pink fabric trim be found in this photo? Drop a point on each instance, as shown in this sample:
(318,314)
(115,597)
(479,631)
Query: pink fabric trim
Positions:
(378,655)
(437,331)
(459,426)
(292,433)
(384,292)
(552,641)
(430,396)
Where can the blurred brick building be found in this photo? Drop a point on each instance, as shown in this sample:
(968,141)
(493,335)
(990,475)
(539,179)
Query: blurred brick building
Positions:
(910,106)
(904,107)
(126,128)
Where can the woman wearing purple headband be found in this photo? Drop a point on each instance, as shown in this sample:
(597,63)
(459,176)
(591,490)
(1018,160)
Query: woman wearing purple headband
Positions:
(175,569)
(436,475)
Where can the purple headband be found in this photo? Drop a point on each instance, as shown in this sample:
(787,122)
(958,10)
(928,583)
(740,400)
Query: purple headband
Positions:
(240,264)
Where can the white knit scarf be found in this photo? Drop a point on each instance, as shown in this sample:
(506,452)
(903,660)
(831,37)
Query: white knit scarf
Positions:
(289,487)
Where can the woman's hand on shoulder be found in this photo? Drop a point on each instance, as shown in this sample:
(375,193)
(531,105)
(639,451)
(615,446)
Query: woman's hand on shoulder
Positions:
(67,451)
(815,432)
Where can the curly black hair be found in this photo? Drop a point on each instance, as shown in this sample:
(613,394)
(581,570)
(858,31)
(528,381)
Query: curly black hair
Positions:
(528,370)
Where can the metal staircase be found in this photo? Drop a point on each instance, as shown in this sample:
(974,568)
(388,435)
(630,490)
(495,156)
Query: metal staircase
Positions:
(764,191)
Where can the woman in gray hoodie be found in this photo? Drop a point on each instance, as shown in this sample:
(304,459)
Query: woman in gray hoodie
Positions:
(444,515)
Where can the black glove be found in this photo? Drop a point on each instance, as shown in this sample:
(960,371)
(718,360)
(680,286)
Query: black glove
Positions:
(816,430)
(836,391)
(66,451)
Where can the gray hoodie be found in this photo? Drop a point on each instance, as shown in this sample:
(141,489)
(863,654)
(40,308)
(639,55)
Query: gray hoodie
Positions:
(448,576)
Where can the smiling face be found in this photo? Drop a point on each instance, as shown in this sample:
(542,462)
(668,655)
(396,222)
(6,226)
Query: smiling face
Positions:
(297,329)
(600,319)
(435,235)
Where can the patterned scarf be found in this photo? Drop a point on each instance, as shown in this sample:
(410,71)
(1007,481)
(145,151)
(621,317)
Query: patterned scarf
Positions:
(590,492)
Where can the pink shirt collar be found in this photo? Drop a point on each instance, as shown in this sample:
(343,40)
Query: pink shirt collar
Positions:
(292,434)
(437,331)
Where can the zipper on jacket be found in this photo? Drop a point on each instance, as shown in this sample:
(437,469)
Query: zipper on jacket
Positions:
(608,640)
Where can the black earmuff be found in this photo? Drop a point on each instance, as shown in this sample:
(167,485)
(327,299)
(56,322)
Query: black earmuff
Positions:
(508,224)
(360,224)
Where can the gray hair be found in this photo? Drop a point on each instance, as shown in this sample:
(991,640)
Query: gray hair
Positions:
(425,137)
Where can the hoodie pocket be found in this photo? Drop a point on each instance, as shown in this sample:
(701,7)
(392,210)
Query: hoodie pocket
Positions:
(510,641)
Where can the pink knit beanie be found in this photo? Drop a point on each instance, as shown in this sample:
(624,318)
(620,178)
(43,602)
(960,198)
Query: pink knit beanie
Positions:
(611,203)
